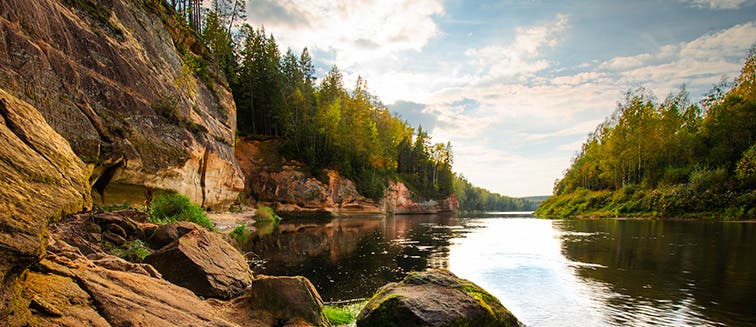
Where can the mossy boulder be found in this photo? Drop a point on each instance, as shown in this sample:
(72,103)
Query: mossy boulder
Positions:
(434,298)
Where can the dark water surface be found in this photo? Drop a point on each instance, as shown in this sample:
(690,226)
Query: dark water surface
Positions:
(548,273)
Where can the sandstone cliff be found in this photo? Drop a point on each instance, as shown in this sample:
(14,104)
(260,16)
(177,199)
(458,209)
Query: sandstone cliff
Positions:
(125,84)
(271,179)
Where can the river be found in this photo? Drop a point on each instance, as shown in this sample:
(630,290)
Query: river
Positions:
(547,272)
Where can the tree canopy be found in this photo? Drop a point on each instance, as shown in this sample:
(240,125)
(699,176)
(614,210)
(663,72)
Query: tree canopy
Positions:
(669,157)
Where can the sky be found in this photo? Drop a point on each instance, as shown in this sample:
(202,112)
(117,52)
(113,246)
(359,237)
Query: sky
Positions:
(515,85)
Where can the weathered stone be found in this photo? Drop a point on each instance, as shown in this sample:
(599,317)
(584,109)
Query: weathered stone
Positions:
(290,301)
(40,179)
(64,291)
(117,88)
(434,298)
(204,263)
(399,200)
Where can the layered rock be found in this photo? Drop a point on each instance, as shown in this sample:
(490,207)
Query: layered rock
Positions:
(272,179)
(284,184)
(204,263)
(40,179)
(120,81)
(67,289)
(399,200)
(434,298)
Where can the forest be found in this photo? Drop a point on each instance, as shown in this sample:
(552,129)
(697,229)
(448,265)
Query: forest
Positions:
(669,158)
(322,123)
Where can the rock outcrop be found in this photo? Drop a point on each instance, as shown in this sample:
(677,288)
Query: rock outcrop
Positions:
(126,85)
(271,179)
(204,263)
(284,184)
(399,201)
(278,301)
(40,179)
(434,298)
(67,289)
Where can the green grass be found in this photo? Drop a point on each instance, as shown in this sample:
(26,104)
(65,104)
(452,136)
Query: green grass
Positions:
(115,207)
(172,207)
(343,314)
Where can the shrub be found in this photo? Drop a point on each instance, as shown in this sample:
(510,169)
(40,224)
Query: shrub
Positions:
(240,234)
(172,207)
(265,213)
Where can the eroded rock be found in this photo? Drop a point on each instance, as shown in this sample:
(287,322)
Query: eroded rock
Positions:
(283,301)
(204,263)
(434,298)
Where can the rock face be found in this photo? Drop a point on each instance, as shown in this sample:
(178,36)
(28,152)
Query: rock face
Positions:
(399,201)
(204,263)
(40,179)
(272,179)
(119,81)
(66,289)
(287,301)
(434,298)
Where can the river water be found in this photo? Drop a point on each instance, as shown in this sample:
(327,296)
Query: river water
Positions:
(547,272)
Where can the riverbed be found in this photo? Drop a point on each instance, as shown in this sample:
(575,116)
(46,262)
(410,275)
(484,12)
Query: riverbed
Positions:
(547,272)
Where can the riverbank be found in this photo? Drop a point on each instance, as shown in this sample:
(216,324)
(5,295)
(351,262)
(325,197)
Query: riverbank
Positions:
(663,203)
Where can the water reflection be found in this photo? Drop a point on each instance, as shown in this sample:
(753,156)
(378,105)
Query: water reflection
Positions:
(670,273)
(349,258)
(549,273)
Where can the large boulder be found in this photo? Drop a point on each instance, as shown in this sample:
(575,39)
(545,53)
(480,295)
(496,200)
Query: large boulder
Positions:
(66,289)
(279,301)
(120,81)
(204,263)
(434,298)
(40,179)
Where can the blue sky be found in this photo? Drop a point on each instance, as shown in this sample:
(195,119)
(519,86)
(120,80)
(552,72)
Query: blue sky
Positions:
(516,85)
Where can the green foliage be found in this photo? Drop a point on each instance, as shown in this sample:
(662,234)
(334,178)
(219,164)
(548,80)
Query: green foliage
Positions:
(472,198)
(172,207)
(340,315)
(328,127)
(134,251)
(241,234)
(265,213)
(682,160)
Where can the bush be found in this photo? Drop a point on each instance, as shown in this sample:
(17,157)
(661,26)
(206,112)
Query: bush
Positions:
(172,207)
(265,213)
(240,234)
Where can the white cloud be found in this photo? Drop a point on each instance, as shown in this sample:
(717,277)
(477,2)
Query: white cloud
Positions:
(355,31)
(716,4)
(519,57)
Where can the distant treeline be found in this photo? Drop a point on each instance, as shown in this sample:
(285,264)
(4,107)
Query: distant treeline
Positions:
(668,158)
(472,198)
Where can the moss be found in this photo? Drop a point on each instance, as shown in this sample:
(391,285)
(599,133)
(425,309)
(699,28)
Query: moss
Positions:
(337,315)
(134,251)
(99,11)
